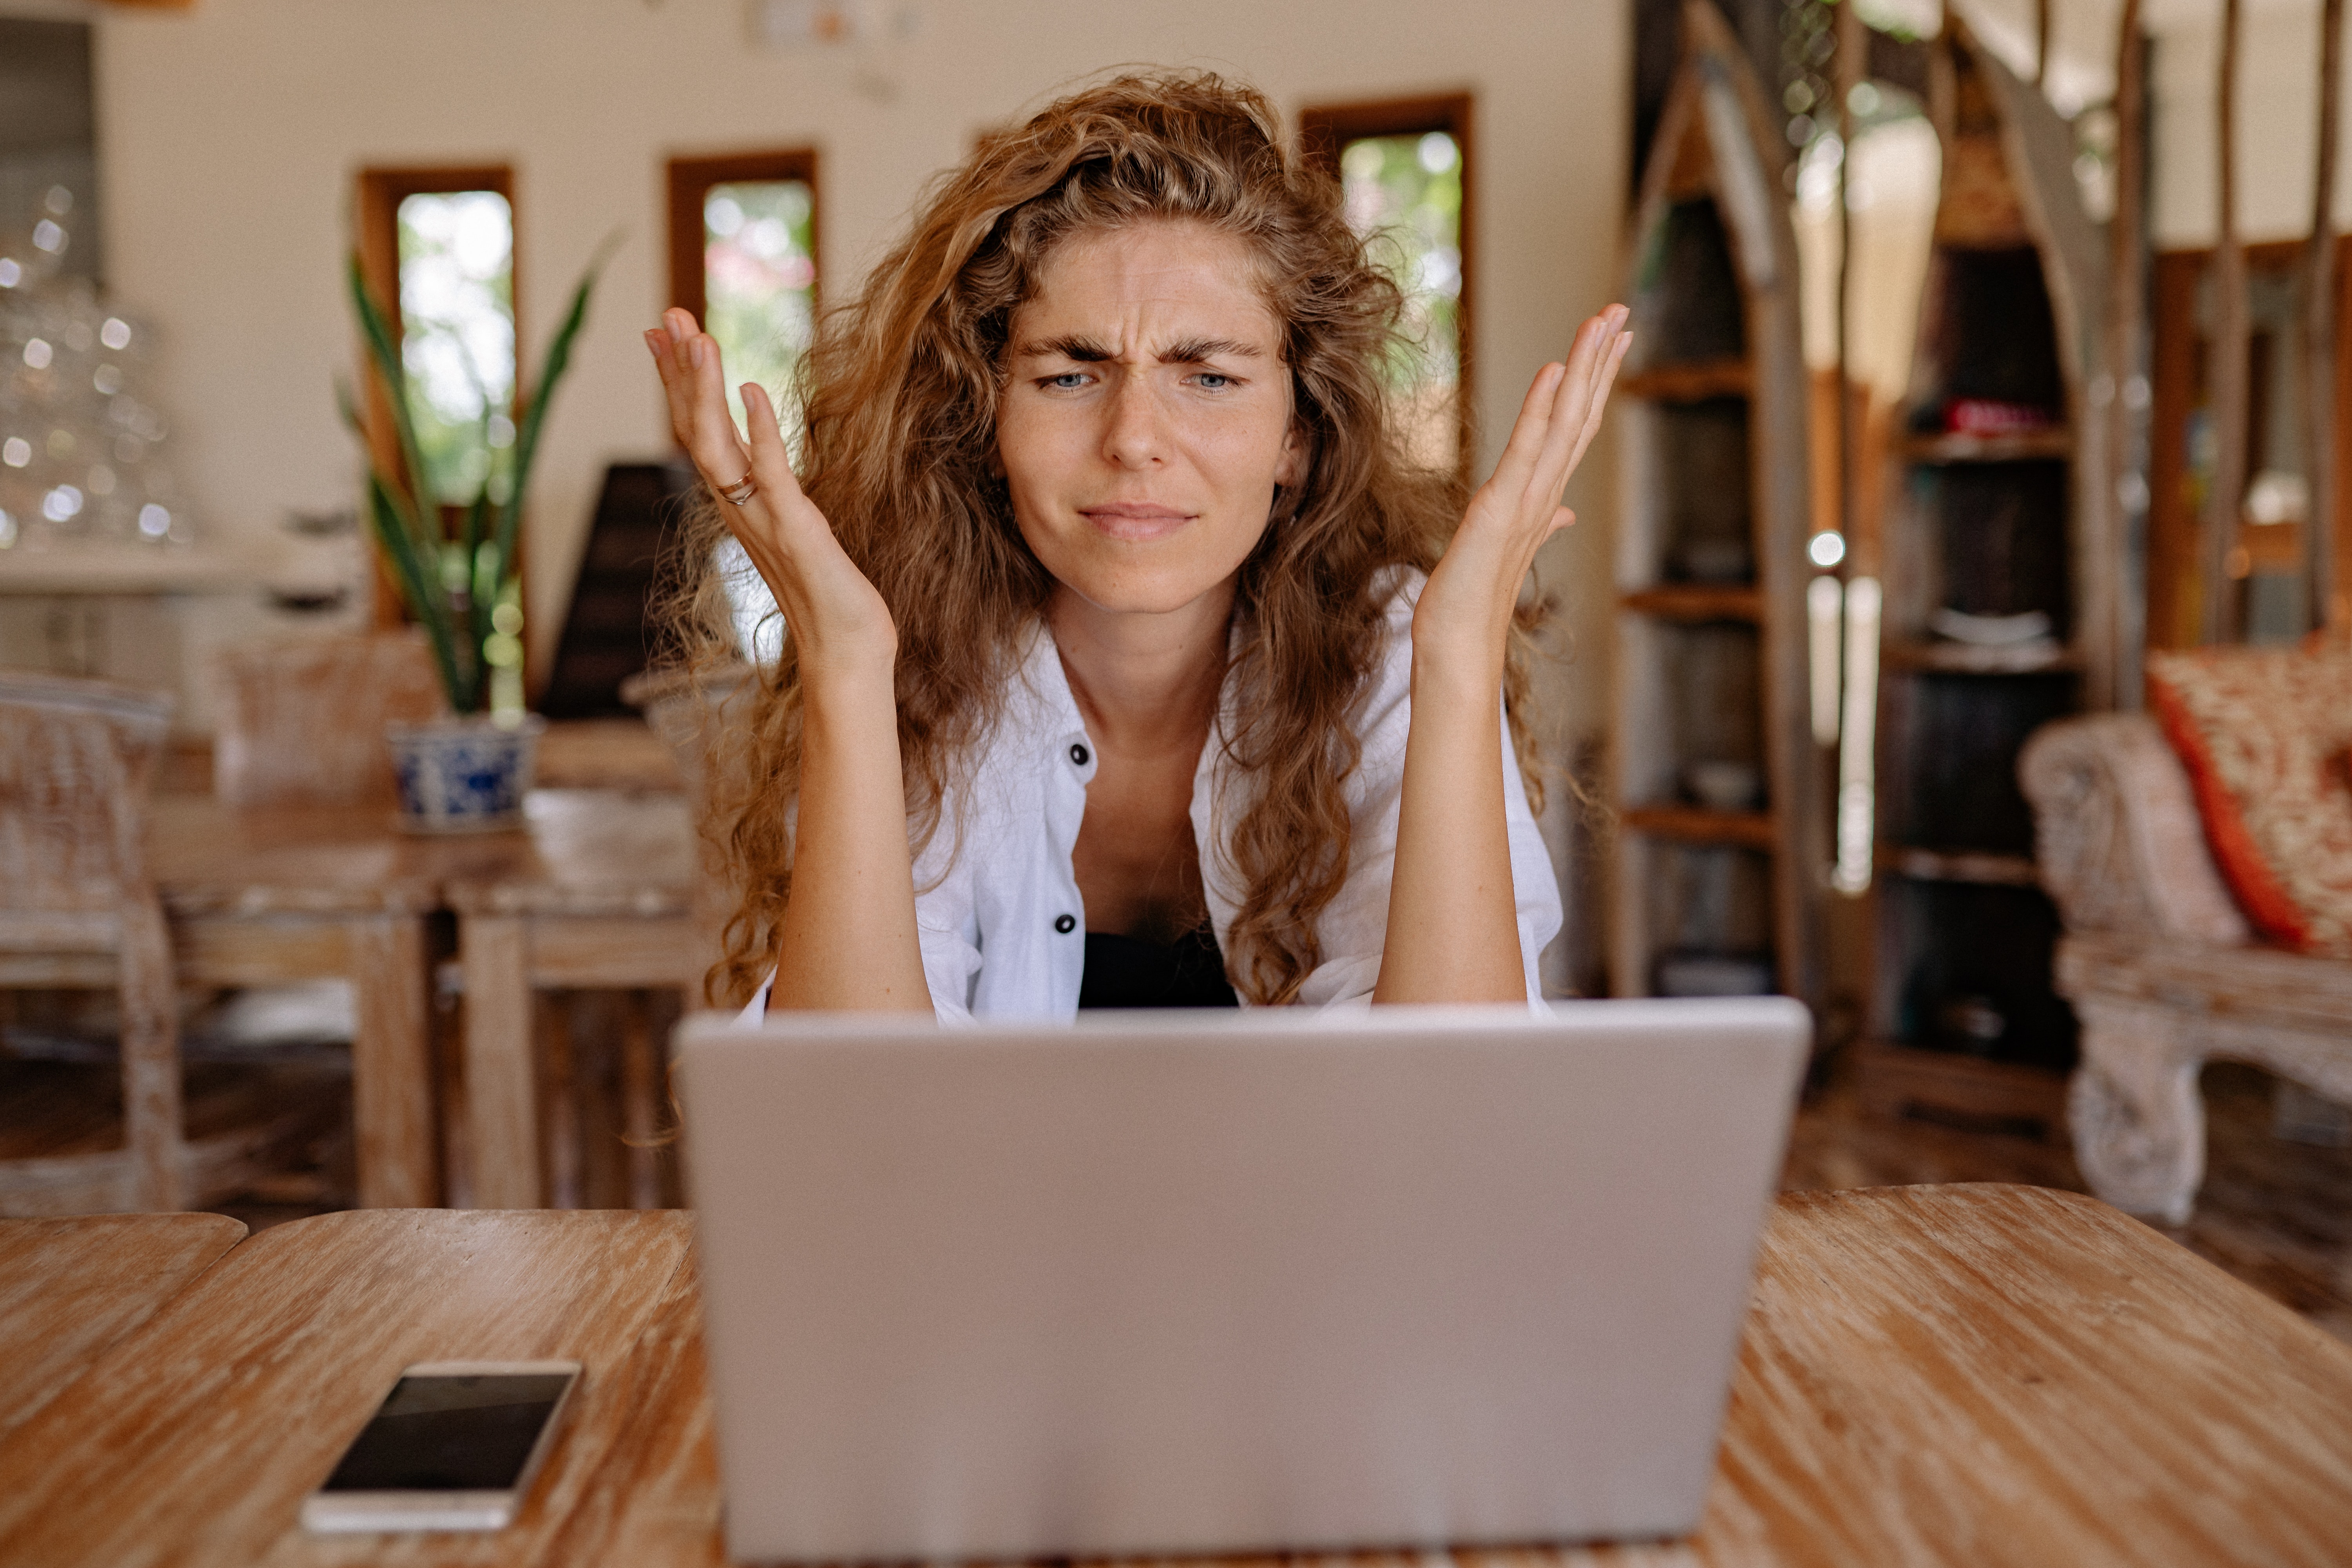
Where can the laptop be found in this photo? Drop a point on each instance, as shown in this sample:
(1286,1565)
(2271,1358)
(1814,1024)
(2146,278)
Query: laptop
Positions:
(1158,1283)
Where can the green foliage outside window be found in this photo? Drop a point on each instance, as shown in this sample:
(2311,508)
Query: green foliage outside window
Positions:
(1406,192)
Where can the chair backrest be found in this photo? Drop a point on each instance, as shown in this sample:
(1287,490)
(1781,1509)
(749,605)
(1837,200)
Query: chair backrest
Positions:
(2117,839)
(76,757)
(302,722)
(704,722)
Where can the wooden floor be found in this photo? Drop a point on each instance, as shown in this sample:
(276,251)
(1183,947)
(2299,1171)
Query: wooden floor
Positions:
(2277,1215)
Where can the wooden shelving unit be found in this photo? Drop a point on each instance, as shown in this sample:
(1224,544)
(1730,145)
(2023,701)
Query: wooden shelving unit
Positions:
(1963,1021)
(1720,835)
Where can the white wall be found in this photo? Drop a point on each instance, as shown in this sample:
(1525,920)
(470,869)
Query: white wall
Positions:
(230,135)
(2278,112)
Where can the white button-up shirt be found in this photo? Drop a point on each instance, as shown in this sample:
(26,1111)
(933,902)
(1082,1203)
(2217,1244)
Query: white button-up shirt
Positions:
(997,908)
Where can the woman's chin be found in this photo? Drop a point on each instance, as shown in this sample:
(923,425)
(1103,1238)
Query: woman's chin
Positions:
(1164,591)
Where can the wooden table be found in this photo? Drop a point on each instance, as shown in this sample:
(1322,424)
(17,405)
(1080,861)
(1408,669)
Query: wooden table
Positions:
(70,1288)
(1977,1375)
(604,899)
(270,894)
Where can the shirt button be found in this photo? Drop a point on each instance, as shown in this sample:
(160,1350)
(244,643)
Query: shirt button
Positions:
(1066,924)
(1080,755)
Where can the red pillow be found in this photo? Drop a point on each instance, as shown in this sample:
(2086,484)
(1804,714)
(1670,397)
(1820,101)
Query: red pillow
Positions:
(2260,732)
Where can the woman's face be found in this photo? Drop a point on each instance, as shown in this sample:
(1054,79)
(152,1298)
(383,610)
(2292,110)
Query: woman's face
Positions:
(1146,417)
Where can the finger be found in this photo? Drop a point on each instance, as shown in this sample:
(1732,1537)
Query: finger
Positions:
(675,395)
(1557,456)
(712,442)
(1600,403)
(771,461)
(681,326)
(1516,464)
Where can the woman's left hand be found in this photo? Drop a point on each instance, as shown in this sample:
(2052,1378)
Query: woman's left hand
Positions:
(1465,609)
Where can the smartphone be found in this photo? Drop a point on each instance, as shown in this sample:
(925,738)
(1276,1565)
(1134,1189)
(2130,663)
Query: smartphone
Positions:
(453,1446)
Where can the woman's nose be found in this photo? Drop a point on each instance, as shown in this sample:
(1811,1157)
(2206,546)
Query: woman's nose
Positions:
(1136,437)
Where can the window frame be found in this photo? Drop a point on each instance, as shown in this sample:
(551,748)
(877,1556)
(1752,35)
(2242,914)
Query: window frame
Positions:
(688,182)
(382,189)
(1325,129)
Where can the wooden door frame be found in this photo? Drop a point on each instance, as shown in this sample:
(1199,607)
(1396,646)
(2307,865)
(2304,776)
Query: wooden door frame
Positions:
(1325,129)
(2175,355)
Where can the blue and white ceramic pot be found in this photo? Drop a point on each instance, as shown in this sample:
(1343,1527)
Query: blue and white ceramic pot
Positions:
(463,775)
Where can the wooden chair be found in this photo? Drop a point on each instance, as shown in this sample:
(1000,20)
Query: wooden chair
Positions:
(301,721)
(702,723)
(2160,964)
(77,909)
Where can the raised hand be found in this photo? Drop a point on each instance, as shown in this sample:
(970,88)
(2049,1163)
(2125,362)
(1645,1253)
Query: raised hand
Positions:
(1465,610)
(838,623)
(1452,933)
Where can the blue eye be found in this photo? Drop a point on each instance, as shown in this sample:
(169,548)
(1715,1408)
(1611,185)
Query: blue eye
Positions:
(1214,382)
(1068,380)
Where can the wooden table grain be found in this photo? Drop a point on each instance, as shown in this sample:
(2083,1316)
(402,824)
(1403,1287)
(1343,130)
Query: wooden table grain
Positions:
(70,1288)
(1978,1375)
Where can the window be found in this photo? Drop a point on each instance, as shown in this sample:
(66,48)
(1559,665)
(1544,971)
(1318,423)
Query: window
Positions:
(742,259)
(742,249)
(1405,167)
(437,249)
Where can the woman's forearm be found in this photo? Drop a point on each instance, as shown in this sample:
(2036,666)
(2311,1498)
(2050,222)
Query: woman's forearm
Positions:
(1453,931)
(848,939)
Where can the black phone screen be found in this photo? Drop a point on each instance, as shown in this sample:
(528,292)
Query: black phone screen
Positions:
(450,1433)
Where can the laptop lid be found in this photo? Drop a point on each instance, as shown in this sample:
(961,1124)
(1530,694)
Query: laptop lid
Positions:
(1159,1283)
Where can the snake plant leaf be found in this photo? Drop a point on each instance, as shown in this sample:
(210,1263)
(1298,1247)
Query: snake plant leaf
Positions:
(422,594)
(551,374)
(385,353)
(482,588)
(347,407)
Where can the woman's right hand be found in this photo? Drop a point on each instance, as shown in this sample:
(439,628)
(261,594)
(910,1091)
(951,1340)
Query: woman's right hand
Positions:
(838,623)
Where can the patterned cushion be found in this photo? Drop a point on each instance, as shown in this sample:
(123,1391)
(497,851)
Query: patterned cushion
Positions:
(2263,732)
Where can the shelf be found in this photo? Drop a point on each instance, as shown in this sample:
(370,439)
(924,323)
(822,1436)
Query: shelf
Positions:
(2025,445)
(1698,824)
(1697,602)
(1984,867)
(2039,657)
(1693,382)
(103,570)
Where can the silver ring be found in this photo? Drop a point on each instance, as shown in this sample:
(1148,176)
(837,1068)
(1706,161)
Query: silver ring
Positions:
(738,493)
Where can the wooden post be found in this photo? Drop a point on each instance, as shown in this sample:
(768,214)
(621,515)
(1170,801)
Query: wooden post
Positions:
(2327,613)
(391,1064)
(2126,309)
(501,1083)
(2041,44)
(2232,349)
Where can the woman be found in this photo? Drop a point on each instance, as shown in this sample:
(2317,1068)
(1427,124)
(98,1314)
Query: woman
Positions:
(1122,661)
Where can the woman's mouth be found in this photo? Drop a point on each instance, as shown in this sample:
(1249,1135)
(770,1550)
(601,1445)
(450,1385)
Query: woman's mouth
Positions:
(1135,520)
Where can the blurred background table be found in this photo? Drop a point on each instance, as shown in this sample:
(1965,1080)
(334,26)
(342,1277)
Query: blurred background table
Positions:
(598,895)
(1962,1375)
(593,892)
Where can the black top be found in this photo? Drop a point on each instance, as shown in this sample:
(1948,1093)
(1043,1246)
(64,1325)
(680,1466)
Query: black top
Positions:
(1127,971)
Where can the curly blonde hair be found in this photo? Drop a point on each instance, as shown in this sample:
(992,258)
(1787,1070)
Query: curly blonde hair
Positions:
(900,394)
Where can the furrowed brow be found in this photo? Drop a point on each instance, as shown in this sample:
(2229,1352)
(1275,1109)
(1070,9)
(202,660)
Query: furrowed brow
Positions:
(1199,350)
(1085,350)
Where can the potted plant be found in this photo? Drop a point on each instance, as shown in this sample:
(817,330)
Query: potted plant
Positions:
(466,773)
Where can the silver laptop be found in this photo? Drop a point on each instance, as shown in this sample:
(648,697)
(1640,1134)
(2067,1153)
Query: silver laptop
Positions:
(1166,1283)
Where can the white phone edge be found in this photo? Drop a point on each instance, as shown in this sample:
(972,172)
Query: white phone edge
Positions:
(344,1514)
